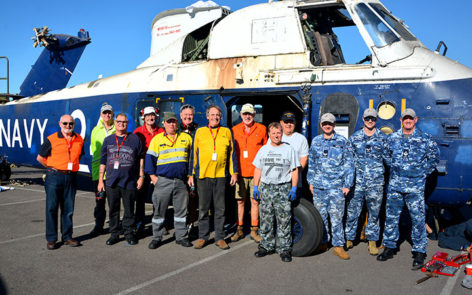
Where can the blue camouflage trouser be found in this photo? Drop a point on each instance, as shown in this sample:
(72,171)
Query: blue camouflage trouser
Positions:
(331,203)
(416,206)
(275,203)
(373,198)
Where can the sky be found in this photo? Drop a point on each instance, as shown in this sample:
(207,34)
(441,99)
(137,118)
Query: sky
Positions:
(121,31)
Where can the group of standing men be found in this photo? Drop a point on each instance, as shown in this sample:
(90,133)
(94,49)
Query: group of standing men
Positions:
(179,158)
(337,165)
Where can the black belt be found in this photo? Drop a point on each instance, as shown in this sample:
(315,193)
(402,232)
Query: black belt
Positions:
(62,171)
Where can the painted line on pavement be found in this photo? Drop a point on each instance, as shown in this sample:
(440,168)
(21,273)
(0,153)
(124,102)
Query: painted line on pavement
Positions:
(23,202)
(185,268)
(42,234)
(28,189)
(447,290)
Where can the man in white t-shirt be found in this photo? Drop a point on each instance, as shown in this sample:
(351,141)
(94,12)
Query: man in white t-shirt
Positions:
(297,141)
(276,172)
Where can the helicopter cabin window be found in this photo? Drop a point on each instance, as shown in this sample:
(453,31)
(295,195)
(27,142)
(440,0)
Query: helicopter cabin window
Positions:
(324,28)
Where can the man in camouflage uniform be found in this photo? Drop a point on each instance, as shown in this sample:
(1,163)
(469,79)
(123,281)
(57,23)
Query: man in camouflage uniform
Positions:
(413,155)
(276,171)
(369,148)
(330,175)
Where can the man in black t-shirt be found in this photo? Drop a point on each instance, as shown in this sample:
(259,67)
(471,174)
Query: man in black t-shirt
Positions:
(123,160)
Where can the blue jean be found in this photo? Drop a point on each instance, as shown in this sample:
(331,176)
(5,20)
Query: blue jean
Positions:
(60,193)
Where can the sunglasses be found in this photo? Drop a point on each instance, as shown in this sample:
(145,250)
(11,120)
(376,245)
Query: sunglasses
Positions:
(186,106)
(68,123)
(121,122)
(373,119)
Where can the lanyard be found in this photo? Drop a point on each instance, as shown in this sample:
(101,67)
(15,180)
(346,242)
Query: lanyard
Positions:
(173,141)
(69,145)
(119,146)
(214,137)
(247,134)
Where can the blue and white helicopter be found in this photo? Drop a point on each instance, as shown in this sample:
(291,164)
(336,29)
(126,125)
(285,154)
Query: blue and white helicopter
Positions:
(280,55)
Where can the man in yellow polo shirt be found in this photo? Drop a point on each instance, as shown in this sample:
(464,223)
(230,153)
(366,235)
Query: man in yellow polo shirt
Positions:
(213,161)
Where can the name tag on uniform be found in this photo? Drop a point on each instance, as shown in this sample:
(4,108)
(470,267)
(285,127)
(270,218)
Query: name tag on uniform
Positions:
(69,166)
(245,154)
(116,165)
(213,157)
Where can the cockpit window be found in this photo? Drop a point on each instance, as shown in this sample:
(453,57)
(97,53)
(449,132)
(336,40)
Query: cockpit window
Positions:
(393,22)
(380,33)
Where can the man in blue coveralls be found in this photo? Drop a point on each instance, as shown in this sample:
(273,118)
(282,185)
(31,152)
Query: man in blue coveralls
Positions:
(330,175)
(413,155)
(369,148)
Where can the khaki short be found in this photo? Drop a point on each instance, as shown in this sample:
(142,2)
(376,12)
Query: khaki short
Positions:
(244,188)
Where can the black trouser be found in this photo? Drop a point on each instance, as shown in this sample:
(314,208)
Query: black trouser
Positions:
(129,197)
(211,189)
(141,196)
(99,212)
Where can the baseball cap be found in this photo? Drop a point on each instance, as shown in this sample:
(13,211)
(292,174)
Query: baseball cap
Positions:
(328,117)
(370,113)
(169,115)
(149,110)
(288,116)
(106,107)
(248,108)
(408,112)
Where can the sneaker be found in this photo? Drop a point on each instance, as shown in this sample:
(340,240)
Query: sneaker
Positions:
(263,252)
(154,244)
(339,251)
(386,254)
(418,260)
(184,242)
(286,256)
(222,245)
(199,244)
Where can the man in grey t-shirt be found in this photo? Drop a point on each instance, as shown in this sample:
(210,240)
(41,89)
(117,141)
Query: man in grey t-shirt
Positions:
(277,173)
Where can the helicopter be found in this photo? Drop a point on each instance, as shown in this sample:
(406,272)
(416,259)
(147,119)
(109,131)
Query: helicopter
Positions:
(278,56)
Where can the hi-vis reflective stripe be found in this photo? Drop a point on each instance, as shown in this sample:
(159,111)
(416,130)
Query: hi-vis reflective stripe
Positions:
(180,219)
(158,220)
(174,159)
(166,151)
(152,153)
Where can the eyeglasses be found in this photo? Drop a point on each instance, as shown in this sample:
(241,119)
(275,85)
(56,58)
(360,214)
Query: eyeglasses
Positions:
(373,119)
(121,122)
(107,112)
(68,123)
(407,118)
(289,122)
(186,106)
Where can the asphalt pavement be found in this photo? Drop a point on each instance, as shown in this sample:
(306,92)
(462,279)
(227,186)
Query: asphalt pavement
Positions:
(27,267)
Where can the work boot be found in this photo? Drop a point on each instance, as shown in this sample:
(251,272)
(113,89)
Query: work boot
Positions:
(373,250)
(418,260)
(199,244)
(255,235)
(339,251)
(349,244)
(222,245)
(386,254)
(238,235)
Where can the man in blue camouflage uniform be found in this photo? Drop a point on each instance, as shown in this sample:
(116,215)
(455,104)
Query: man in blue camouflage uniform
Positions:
(369,148)
(331,175)
(413,155)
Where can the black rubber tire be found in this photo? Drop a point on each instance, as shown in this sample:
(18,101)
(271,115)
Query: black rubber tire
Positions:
(5,172)
(307,228)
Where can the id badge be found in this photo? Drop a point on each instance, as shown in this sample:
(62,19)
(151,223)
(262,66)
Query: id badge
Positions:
(69,166)
(245,154)
(213,157)
(116,165)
